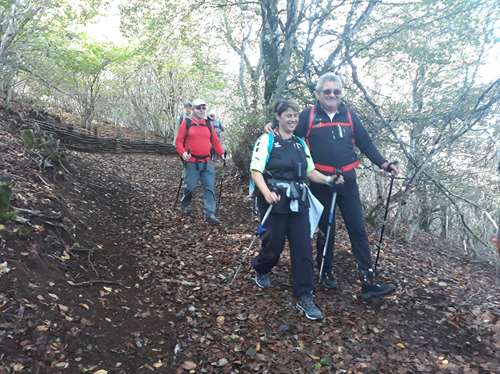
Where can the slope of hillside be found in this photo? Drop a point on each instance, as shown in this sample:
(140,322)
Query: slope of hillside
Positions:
(106,274)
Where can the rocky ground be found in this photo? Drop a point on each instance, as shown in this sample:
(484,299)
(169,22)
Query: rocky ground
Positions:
(107,276)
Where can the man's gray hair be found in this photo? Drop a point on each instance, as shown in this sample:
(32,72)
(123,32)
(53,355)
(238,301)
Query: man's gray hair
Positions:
(327,77)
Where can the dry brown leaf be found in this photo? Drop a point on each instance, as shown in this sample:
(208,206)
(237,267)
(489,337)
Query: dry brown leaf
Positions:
(220,321)
(442,362)
(84,306)
(188,365)
(42,328)
(222,362)
(65,257)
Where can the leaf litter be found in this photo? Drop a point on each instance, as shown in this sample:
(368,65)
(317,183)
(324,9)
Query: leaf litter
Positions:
(127,284)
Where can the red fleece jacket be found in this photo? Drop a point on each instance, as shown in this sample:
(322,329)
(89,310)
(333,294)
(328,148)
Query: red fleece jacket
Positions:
(198,141)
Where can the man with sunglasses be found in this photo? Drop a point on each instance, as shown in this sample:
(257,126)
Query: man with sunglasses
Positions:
(194,142)
(332,131)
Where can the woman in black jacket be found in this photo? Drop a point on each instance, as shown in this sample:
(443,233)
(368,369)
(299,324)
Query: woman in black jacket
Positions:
(281,163)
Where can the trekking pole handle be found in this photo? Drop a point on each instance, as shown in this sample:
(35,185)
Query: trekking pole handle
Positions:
(188,151)
(338,174)
(388,168)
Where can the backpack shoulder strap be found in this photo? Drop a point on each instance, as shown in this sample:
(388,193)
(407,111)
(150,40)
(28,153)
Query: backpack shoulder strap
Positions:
(188,125)
(312,112)
(270,139)
(269,145)
(210,127)
(301,141)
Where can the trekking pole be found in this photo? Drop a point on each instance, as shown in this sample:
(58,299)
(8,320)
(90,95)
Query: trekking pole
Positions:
(258,232)
(178,191)
(383,224)
(180,183)
(221,181)
(331,215)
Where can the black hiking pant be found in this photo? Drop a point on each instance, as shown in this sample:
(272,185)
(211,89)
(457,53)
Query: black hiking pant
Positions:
(295,227)
(349,202)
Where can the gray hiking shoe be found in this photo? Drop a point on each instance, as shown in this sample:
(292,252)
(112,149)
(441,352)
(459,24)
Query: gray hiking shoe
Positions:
(262,280)
(370,288)
(306,304)
(186,209)
(328,280)
(212,220)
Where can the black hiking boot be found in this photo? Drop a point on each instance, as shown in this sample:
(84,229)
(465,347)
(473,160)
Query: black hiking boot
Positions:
(328,280)
(306,305)
(262,280)
(370,289)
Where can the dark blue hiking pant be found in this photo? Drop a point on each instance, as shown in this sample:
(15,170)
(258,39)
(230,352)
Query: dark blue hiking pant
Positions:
(349,202)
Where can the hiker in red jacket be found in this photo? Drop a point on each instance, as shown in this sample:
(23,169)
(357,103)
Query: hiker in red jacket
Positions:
(195,139)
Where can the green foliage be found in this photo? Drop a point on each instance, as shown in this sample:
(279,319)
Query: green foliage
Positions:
(45,146)
(28,139)
(6,212)
(250,127)
(85,58)
(7,216)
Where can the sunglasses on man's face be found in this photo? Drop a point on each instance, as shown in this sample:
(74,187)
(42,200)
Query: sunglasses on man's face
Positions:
(329,91)
(201,107)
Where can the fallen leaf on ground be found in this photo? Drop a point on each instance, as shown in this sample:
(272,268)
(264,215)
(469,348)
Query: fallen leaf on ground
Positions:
(84,306)
(188,365)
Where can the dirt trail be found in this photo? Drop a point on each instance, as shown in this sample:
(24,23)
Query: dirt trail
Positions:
(168,308)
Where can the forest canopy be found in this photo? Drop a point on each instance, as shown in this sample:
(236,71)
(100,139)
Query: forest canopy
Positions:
(420,74)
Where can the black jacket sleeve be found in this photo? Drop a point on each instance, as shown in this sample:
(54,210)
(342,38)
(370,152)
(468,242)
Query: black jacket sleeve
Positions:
(302,127)
(365,143)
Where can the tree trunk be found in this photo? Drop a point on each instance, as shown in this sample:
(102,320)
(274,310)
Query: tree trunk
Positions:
(270,46)
(444,222)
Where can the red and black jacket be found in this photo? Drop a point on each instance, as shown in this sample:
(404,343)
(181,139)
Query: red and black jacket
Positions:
(198,139)
(332,141)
